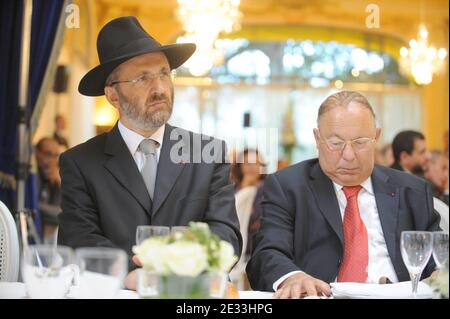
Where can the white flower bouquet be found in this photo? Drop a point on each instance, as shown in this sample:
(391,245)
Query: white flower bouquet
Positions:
(184,259)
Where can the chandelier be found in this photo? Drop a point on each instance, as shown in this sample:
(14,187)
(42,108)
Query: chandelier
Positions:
(421,60)
(203,21)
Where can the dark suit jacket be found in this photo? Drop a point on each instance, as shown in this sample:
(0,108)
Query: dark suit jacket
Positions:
(301,226)
(104,197)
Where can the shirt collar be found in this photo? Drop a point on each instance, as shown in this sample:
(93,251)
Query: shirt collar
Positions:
(367,185)
(133,139)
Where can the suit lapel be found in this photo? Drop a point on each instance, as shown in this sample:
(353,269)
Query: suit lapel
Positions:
(168,170)
(326,199)
(387,199)
(123,167)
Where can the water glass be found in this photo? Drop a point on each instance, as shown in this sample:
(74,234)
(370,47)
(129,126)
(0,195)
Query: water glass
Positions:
(146,231)
(102,272)
(416,249)
(47,271)
(178,229)
(147,283)
(440,248)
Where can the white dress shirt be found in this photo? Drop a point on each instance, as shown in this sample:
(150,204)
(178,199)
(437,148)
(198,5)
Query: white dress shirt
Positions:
(133,139)
(380,264)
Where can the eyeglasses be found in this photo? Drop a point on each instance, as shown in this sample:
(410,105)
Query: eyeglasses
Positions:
(145,79)
(338,145)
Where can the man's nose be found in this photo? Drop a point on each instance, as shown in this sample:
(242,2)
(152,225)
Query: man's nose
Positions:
(348,153)
(157,87)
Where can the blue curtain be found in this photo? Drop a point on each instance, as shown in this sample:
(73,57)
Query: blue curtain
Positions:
(45,19)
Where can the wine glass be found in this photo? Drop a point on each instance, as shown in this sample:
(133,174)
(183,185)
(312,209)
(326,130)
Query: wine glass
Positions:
(102,271)
(47,271)
(416,248)
(440,248)
(146,231)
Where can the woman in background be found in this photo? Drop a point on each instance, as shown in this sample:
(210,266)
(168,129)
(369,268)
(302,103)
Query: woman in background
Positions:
(247,173)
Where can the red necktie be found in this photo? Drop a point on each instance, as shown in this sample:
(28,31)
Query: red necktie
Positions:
(356,245)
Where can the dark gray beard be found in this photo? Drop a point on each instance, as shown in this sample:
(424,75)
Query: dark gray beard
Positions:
(147,121)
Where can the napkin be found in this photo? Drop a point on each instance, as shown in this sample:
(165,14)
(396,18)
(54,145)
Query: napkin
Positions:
(401,290)
(255,294)
(12,290)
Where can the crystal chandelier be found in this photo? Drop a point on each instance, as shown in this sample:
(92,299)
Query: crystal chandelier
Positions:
(203,21)
(421,60)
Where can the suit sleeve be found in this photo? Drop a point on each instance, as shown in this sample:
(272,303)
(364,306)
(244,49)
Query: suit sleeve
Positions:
(221,214)
(79,224)
(273,254)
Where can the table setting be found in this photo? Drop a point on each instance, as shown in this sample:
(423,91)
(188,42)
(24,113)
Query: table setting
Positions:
(192,263)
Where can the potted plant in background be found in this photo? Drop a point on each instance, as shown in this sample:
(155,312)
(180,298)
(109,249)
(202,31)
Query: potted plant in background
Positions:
(190,264)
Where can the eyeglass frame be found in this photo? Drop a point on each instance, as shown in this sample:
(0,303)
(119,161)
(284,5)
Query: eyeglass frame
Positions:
(346,142)
(140,79)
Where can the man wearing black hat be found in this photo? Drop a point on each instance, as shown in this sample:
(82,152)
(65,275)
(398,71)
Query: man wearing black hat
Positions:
(133,175)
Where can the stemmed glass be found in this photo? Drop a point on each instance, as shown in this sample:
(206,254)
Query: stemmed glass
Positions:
(440,248)
(146,231)
(416,249)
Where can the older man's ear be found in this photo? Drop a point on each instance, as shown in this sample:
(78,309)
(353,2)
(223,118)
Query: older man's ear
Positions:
(112,96)
(316,136)
(377,133)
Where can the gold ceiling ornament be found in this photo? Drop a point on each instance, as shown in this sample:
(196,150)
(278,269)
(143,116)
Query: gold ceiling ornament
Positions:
(203,21)
(421,60)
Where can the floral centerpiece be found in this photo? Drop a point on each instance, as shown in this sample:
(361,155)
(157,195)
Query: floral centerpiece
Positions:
(186,261)
(439,283)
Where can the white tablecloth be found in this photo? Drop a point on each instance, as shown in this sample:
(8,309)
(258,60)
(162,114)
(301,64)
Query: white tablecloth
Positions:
(17,290)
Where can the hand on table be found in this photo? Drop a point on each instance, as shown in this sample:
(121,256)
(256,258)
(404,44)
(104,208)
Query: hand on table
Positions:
(301,285)
(130,279)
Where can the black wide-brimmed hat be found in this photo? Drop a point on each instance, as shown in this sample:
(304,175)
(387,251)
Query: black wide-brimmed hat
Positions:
(122,39)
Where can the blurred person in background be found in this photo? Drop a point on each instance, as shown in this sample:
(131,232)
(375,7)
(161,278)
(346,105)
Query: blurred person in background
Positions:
(60,126)
(248,175)
(282,163)
(437,174)
(410,153)
(384,156)
(48,184)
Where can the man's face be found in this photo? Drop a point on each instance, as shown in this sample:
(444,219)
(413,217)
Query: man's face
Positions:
(354,164)
(437,172)
(47,156)
(146,104)
(417,161)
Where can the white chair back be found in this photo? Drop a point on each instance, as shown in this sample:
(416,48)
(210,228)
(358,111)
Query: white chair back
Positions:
(443,210)
(9,246)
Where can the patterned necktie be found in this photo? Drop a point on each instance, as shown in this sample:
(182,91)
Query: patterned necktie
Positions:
(356,245)
(148,172)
